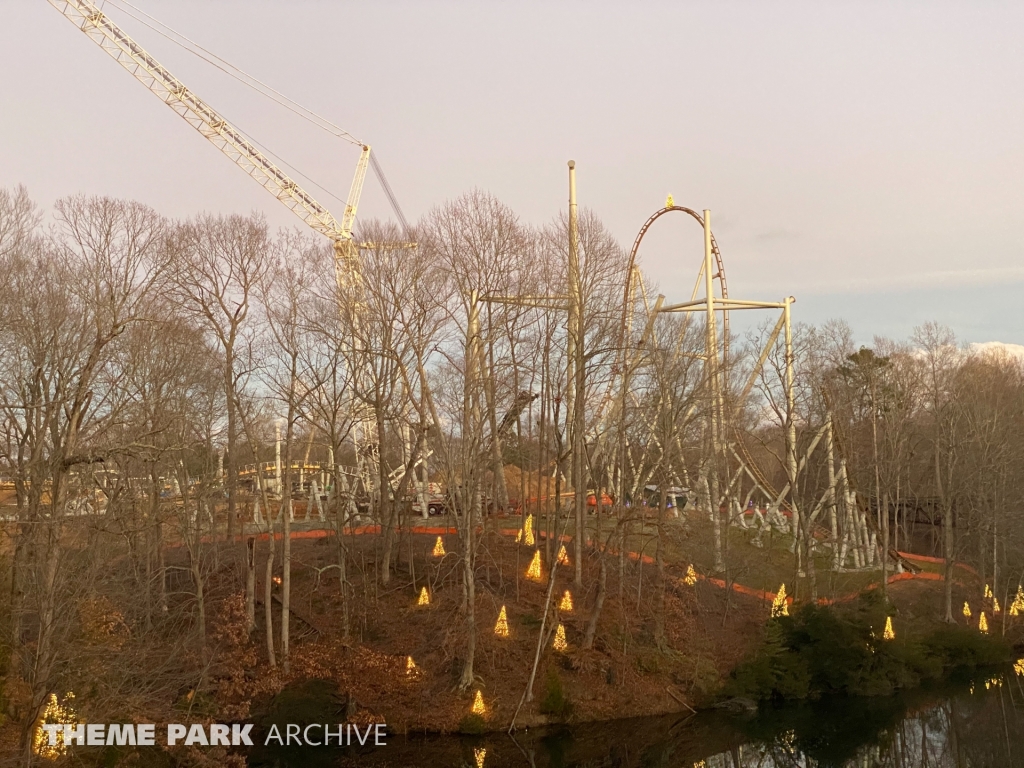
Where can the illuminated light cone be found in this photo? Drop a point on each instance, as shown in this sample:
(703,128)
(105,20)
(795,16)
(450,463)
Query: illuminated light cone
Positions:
(995,605)
(478,707)
(411,670)
(59,713)
(669,201)
(479,755)
(691,576)
(528,538)
(888,634)
(967,609)
(1017,606)
(779,606)
(501,627)
(563,556)
(988,591)
(533,572)
(1018,667)
(566,604)
(560,643)
(424,597)
(439,548)
(982,623)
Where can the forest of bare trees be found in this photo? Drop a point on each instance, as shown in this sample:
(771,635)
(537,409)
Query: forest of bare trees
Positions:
(151,370)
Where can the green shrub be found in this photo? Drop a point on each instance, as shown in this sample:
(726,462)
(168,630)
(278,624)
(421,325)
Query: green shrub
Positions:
(820,650)
(956,646)
(472,724)
(555,702)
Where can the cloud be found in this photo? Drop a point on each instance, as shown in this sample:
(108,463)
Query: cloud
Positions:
(999,348)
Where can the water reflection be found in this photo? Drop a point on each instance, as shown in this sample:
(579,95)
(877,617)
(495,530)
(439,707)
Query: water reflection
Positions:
(969,723)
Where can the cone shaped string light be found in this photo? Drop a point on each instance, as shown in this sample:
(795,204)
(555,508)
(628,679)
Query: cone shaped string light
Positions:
(501,627)
(888,634)
(988,591)
(566,604)
(58,713)
(533,572)
(995,605)
(779,606)
(967,609)
(424,597)
(479,755)
(478,704)
(410,667)
(560,644)
(527,532)
(982,623)
(1018,667)
(691,576)
(1017,606)
(438,548)
(563,556)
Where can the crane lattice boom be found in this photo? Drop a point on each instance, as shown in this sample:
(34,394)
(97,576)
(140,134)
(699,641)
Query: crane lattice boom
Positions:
(93,22)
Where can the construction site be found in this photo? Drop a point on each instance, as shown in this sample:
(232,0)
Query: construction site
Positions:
(467,475)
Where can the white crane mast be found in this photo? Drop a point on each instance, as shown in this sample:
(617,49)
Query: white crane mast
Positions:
(133,57)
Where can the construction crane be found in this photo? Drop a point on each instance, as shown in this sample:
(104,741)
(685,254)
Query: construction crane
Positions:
(85,15)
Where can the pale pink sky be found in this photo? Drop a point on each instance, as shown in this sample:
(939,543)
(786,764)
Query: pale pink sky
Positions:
(865,157)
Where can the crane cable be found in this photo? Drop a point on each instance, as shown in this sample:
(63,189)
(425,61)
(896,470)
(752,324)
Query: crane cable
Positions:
(274,95)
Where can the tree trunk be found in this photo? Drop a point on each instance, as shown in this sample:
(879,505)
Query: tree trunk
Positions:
(230,469)
(250,583)
(386,503)
(659,611)
(268,596)
(469,587)
(595,615)
(947,537)
(341,517)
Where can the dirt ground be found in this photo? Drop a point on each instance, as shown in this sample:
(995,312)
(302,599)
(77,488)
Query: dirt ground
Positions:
(627,673)
(707,627)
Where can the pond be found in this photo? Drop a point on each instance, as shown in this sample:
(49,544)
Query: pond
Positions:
(972,722)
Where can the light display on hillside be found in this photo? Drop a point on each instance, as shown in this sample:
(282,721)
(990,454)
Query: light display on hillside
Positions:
(779,605)
(526,534)
(566,603)
(691,576)
(967,609)
(1018,667)
(479,755)
(533,572)
(56,712)
(560,643)
(478,707)
(982,623)
(563,556)
(411,670)
(501,627)
(888,634)
(988,592)
(438,548)
(995,605)
(1017,606)
(424,598)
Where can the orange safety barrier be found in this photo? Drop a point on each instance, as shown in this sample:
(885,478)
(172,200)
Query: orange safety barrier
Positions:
(646,559)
